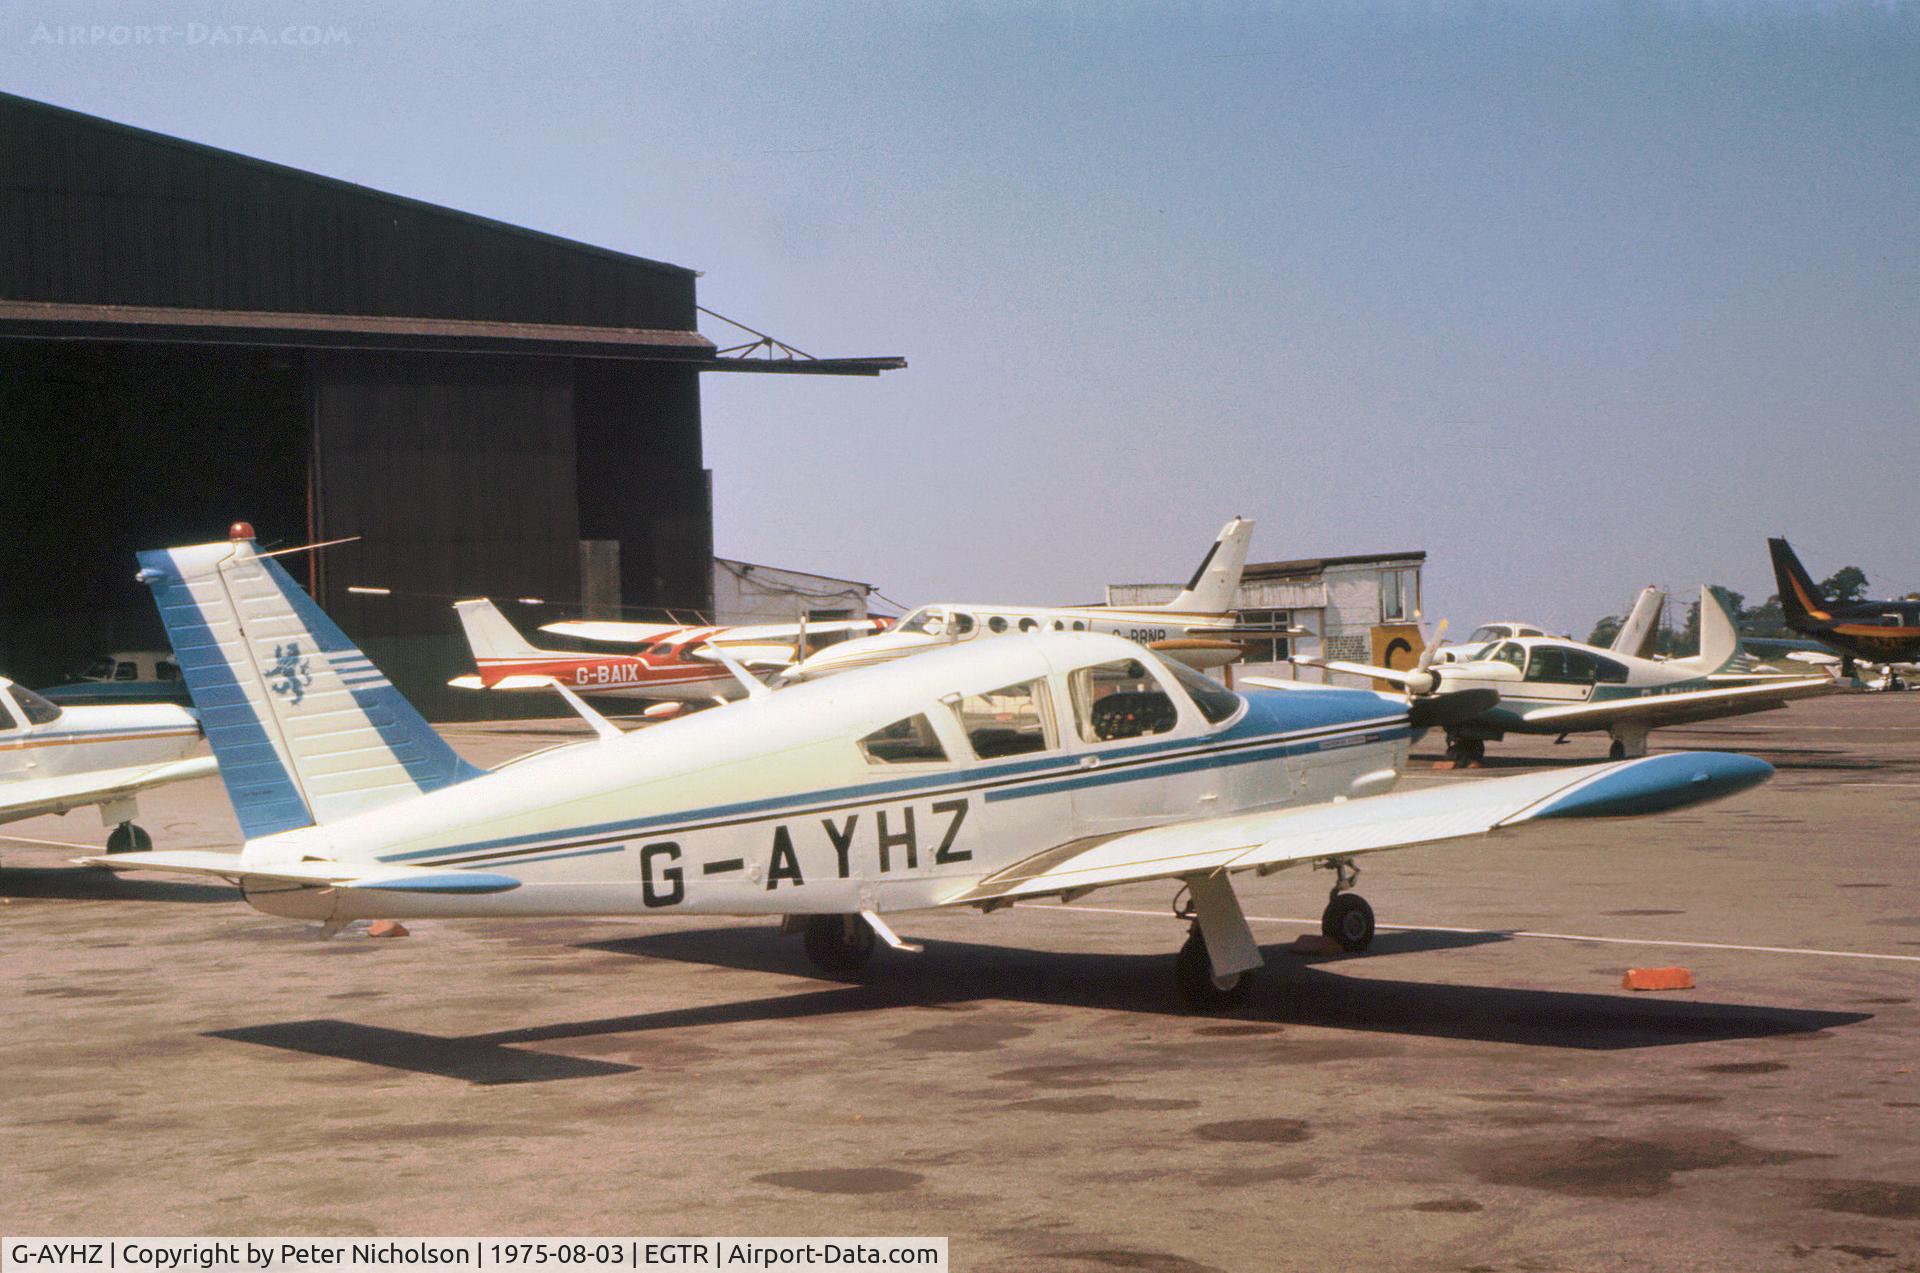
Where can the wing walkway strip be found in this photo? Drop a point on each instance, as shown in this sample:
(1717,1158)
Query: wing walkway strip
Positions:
(1510,932)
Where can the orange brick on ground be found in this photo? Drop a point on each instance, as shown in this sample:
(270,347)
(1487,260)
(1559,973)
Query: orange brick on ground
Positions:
(1657,979)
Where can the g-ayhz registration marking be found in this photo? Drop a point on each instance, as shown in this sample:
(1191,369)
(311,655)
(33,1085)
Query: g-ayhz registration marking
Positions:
(877,841)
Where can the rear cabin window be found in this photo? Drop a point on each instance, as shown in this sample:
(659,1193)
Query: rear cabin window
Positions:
(996,624)
(167,671)
(39,711)
(905,742)
(6,717)
(1611,673)
(1006,722)
(1215,701)
(126,672)
(1119,700)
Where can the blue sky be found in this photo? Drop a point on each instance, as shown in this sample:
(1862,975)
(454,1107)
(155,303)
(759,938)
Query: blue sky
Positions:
(1575,297)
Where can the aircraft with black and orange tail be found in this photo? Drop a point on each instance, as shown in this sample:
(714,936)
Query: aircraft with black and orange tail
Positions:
(1879,632)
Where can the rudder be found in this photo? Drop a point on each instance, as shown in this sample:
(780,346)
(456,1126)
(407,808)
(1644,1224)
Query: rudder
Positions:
(306,729)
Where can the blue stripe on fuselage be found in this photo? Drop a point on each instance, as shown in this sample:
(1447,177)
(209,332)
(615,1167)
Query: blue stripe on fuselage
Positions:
(1279,716)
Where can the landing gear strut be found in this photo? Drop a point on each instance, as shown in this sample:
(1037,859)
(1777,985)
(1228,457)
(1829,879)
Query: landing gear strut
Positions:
(129,838)
(1200,990)
(1348,918)
(838,943)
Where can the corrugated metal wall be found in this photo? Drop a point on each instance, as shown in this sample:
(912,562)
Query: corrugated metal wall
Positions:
(92,211)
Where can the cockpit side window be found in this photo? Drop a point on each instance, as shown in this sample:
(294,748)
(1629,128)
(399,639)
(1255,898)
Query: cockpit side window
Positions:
(7,721)
(905,742)
(1007,722)
(962,623)
(1119,700)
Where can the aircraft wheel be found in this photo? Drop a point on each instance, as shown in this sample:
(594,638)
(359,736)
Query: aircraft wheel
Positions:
(1618,751)
(1200,990)
(839,943)
(1348,920)
(128,838)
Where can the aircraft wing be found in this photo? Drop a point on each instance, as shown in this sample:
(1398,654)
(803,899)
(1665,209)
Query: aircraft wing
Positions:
(371,876)
(610,632)
(31,797)
(1283,837)
(1676,709)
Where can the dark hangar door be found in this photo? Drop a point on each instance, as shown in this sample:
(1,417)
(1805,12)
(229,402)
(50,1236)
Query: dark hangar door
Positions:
(458,473)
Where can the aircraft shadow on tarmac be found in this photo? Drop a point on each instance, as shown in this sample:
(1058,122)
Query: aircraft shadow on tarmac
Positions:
(90,884)
(1288,992)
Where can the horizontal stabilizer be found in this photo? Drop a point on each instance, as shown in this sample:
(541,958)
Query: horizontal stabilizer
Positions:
(519,681)
(31,797)
(321,874)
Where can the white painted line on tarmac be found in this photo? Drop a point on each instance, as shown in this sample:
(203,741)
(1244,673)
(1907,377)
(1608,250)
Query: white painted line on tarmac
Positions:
(1509,932)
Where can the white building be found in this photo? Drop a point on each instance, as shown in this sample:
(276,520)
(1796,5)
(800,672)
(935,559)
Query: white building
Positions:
(1356,608)
(746,592)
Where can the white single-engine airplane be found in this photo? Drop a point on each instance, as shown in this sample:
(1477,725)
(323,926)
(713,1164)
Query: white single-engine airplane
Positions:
(1547,685)
(56,759)
(1197,627)
(1638,633)
(1033,767)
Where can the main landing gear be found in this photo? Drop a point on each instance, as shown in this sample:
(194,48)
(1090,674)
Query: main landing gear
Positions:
(840,944)
(1348,919)
(1200,990)
(129,838)
(1463,751)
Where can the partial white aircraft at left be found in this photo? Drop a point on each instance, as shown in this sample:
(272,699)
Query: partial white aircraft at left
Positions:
(56,759)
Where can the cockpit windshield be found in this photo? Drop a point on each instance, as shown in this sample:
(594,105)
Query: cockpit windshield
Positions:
(927,620)
(1506,652)
(1485,633)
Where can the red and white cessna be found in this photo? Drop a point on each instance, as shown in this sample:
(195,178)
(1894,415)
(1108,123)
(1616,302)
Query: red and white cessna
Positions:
(668,662)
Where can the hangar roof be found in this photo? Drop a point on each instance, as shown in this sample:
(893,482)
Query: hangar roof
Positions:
(108,231)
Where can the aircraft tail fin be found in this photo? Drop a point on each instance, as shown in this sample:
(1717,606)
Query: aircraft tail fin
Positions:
(489,635)
(1211,589)
(306,729)
(1800,597)
(1638,635)
(1719,638)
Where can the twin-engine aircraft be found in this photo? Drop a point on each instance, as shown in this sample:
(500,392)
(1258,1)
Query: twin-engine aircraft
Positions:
(1196,628)
(1546,685)
(56,759)
(1042,766)
(669,662)
(1877,632)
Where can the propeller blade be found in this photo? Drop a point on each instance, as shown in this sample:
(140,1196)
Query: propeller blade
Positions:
(1453,708)
(1429,645)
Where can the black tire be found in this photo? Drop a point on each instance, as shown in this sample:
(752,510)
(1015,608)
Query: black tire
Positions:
(128,838)
(1348,920)
(839,943)
(1618,751)
(1193,970)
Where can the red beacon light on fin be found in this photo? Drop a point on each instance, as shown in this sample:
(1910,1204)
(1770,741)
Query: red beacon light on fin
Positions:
(240,530)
